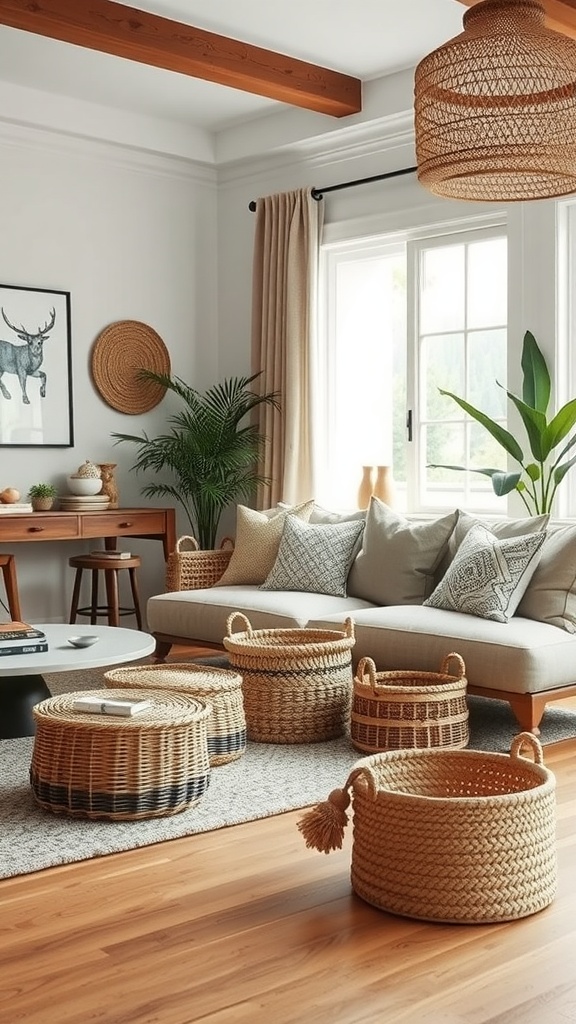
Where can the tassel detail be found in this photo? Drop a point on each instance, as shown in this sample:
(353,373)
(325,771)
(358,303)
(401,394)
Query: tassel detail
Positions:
(323,826)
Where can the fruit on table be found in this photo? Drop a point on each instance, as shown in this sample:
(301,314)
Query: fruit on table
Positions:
(9,495)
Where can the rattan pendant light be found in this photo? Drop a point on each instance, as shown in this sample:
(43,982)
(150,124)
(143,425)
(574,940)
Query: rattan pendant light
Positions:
(495,108)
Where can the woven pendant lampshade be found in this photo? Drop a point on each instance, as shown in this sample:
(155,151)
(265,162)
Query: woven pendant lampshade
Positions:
(495,108)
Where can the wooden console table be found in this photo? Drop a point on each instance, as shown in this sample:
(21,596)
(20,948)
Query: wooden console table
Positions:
(147,523)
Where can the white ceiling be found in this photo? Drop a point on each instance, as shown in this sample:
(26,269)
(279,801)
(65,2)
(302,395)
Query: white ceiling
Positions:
(367,39)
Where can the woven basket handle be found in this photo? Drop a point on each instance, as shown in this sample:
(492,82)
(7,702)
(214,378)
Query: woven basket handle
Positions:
(446,664)
(367,665)
(187,543)
(349,628)
(238,615)
(227,541)
(529,740)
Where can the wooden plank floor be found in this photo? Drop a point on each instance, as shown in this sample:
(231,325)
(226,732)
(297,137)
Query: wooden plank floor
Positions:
(247,926)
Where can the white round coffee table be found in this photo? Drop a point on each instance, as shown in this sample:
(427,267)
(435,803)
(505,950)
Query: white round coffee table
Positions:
(21,675)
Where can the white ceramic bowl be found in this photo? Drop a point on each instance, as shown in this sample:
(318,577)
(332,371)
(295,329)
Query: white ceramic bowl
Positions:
(83,641)
(84,485)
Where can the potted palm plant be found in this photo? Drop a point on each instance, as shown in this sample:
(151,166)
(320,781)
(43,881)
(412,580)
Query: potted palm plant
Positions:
(208,457)
(541,472)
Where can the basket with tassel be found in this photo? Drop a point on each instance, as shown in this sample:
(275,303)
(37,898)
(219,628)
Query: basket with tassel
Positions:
(447,835)
(297,683)
(409,708)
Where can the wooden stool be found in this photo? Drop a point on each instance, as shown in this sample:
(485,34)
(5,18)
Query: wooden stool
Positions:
(8,566)
(110,567)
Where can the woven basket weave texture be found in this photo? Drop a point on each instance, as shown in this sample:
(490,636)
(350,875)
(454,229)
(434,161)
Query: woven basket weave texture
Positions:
(221,688)
(409,709)
(297,683)
(95,766)
(190,568)
(455,836)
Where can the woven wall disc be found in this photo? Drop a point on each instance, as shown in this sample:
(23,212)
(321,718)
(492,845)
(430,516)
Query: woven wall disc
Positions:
(120,351)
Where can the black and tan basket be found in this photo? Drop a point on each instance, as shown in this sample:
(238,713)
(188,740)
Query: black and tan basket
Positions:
(297,683)
(409,709)
(447,835)
(190,568)
(96,766)
(221,687)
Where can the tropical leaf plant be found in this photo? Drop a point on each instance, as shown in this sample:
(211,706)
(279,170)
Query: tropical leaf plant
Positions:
(209,453)
(541,471)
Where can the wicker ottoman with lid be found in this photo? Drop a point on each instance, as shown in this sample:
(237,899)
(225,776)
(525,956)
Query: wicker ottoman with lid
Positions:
(94,765)
(221,687)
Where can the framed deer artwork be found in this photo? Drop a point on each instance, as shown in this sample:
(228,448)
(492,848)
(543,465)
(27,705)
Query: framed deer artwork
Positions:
(35,368)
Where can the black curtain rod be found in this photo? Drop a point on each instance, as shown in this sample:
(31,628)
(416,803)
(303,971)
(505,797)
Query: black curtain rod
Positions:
(319,193)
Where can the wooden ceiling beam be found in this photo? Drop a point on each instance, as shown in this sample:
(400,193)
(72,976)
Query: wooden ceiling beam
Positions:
(560,14)
(149,39)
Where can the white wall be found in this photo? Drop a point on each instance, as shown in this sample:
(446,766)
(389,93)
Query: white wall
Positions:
(131,235)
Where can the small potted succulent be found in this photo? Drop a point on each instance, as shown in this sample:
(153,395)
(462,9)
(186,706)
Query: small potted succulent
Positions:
(42,496)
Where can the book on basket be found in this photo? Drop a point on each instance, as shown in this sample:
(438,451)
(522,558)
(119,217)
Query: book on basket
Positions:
(24,647)
(16,632)
(111,554)
(97,706)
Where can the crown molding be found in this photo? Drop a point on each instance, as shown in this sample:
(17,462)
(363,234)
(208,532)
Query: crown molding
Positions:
(14,134)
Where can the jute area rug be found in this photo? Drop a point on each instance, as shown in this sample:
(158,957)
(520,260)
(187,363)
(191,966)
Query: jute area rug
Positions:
(268,779)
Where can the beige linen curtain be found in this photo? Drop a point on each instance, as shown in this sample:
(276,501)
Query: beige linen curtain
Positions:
(285,269)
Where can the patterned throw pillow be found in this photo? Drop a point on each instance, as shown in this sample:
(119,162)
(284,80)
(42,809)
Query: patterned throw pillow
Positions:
(256,544)
(488,575)
(315,557)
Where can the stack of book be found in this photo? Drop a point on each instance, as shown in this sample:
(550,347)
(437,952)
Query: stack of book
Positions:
(14,507)
(21,638)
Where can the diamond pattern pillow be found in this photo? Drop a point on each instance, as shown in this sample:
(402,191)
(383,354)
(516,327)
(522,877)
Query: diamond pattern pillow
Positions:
(315,557)
(488,575)
(256,544)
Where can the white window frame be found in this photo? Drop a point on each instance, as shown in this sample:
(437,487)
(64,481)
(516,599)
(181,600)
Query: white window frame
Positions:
(413,240)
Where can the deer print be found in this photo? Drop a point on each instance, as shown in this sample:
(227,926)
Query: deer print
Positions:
(25,360)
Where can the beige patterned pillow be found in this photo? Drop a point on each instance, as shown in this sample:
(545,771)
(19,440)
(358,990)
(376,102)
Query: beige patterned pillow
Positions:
(256,545)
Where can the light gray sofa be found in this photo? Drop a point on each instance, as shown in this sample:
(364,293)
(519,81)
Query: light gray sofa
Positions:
(528,658)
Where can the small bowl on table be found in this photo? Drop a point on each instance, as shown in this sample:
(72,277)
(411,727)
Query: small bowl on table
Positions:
(83,641)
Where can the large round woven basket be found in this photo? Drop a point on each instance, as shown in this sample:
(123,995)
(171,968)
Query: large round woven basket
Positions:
(409,709)
(97,766)
(455,836)
(219,686)
(191,568)
(297,683)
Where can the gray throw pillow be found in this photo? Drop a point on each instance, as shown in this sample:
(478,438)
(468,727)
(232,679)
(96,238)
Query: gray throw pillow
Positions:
(551,593)
(399,556)
(315,557)
(488,576)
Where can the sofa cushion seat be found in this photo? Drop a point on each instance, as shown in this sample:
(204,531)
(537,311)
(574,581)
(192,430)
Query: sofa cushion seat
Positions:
(519,656)
(201,615)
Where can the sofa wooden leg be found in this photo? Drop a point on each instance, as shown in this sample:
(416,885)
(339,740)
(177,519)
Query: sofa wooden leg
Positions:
(163,648)
(528,709)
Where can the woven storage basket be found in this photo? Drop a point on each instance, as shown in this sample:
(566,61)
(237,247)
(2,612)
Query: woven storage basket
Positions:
(297,683)
(189,568)
(456,836)
(393,710)
(220,687)
(97,766)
